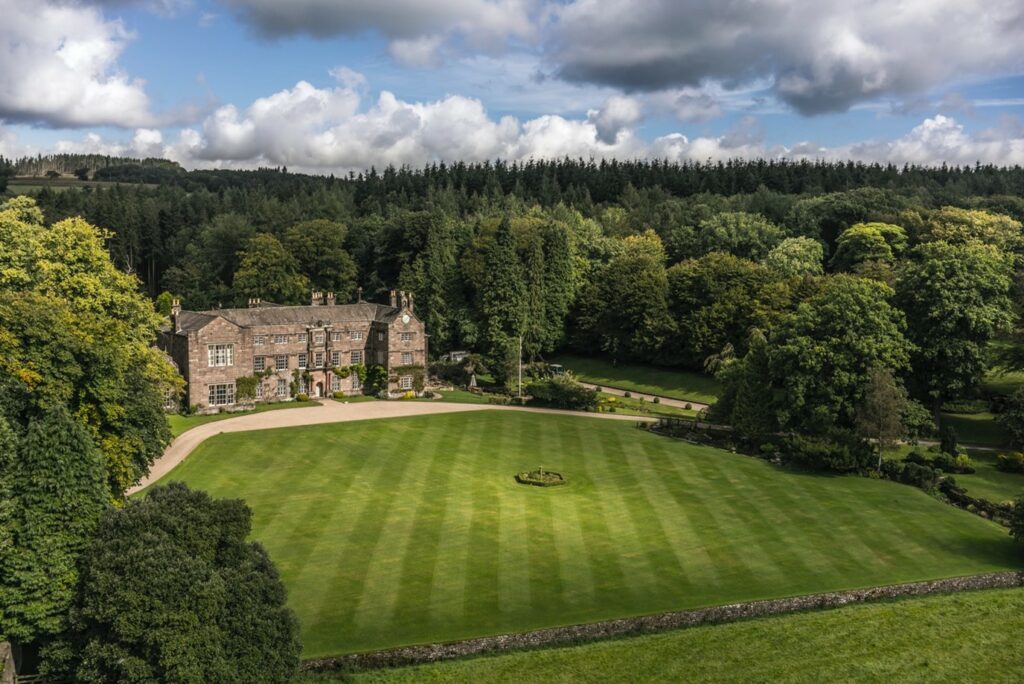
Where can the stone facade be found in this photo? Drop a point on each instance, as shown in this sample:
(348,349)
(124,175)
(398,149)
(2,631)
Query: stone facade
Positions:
(294,348)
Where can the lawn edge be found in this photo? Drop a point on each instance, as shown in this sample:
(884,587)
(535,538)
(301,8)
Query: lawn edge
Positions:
(658,622)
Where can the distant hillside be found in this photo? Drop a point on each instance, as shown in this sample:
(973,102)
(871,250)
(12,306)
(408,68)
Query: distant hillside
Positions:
(97,166)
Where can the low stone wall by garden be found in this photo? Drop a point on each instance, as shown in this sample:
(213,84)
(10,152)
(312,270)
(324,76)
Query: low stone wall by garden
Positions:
(414,655)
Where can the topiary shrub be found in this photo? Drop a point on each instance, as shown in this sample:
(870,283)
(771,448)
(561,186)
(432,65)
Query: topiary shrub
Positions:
(657,400)
(1017,519)
(562,391)
(628,395)
(301,396)
(338,395)
(1012,462)
(839,452)
(921,476)
(953,464)
(916,457)
(948,441)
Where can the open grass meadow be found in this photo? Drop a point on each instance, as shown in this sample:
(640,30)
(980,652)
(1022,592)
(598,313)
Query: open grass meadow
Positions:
(971,637)
(413,530)
(665,382)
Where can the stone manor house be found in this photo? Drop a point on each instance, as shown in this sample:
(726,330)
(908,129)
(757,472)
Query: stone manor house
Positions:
(213,349)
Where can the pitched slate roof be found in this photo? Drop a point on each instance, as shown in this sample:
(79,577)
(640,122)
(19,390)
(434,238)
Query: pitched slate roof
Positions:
(291,315)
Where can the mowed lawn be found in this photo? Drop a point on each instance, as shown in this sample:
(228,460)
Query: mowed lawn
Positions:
(973,637)
(666,382)
(412,530)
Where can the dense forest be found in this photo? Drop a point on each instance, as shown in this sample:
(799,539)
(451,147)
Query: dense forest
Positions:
(647,261)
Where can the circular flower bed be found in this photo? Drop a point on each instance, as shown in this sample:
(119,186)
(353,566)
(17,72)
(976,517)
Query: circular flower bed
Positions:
(541,478)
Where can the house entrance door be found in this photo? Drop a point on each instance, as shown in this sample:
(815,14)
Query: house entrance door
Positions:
(319,390)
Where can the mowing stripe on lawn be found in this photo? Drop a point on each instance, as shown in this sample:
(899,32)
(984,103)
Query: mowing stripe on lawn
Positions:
(448,589)
(420,557)
(630,554)
(412,530)
(574,556)
(655,510)
(383,568)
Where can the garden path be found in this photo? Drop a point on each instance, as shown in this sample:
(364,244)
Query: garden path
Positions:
(665,401)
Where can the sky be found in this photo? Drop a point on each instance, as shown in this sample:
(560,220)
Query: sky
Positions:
(332,86)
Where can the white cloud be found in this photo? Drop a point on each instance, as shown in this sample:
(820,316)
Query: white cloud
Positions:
(820,56)
(331,130)
(350,78)
(616,114)
(942,139)
(323,130)
(58,67)
(422,51)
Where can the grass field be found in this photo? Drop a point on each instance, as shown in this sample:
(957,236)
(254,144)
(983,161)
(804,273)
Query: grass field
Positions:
(985,483)
(649,379)
(972,637)
(413,530)
(180,424)
(978,428)
(989,483)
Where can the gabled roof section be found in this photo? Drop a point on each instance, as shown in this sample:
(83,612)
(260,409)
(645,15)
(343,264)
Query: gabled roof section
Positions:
(192,320)
(311,316)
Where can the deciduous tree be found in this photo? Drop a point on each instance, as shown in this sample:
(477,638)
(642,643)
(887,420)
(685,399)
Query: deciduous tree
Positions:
(269,272)
(956,301)
(796,256)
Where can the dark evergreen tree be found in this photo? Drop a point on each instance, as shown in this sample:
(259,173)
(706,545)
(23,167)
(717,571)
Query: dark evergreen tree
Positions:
(503,301)
(171,591)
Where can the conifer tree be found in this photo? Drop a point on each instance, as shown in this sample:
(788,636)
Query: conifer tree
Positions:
(503,301)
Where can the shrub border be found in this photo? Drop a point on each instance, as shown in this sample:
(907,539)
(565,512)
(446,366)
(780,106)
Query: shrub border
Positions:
(609,629)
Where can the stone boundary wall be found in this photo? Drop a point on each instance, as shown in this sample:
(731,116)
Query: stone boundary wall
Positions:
(607,629)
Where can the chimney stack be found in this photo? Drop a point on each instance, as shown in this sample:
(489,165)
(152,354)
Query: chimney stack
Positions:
(330,299)
(405,299)
(359,294)
(317,298)
(412,303)
(394,298)
(254,302)
(175,310)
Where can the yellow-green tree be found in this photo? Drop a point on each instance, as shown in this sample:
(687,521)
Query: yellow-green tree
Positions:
(76,331)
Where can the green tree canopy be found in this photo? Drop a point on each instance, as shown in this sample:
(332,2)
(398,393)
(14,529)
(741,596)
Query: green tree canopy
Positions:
(58,486)
(75,331)
(821,356)
(170,590)
(960,226)
(319,250)
(623,311)
(796,256)
(866,242)
(749,236)
(503,298)
(956,298)
(715,300)
(268,271)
